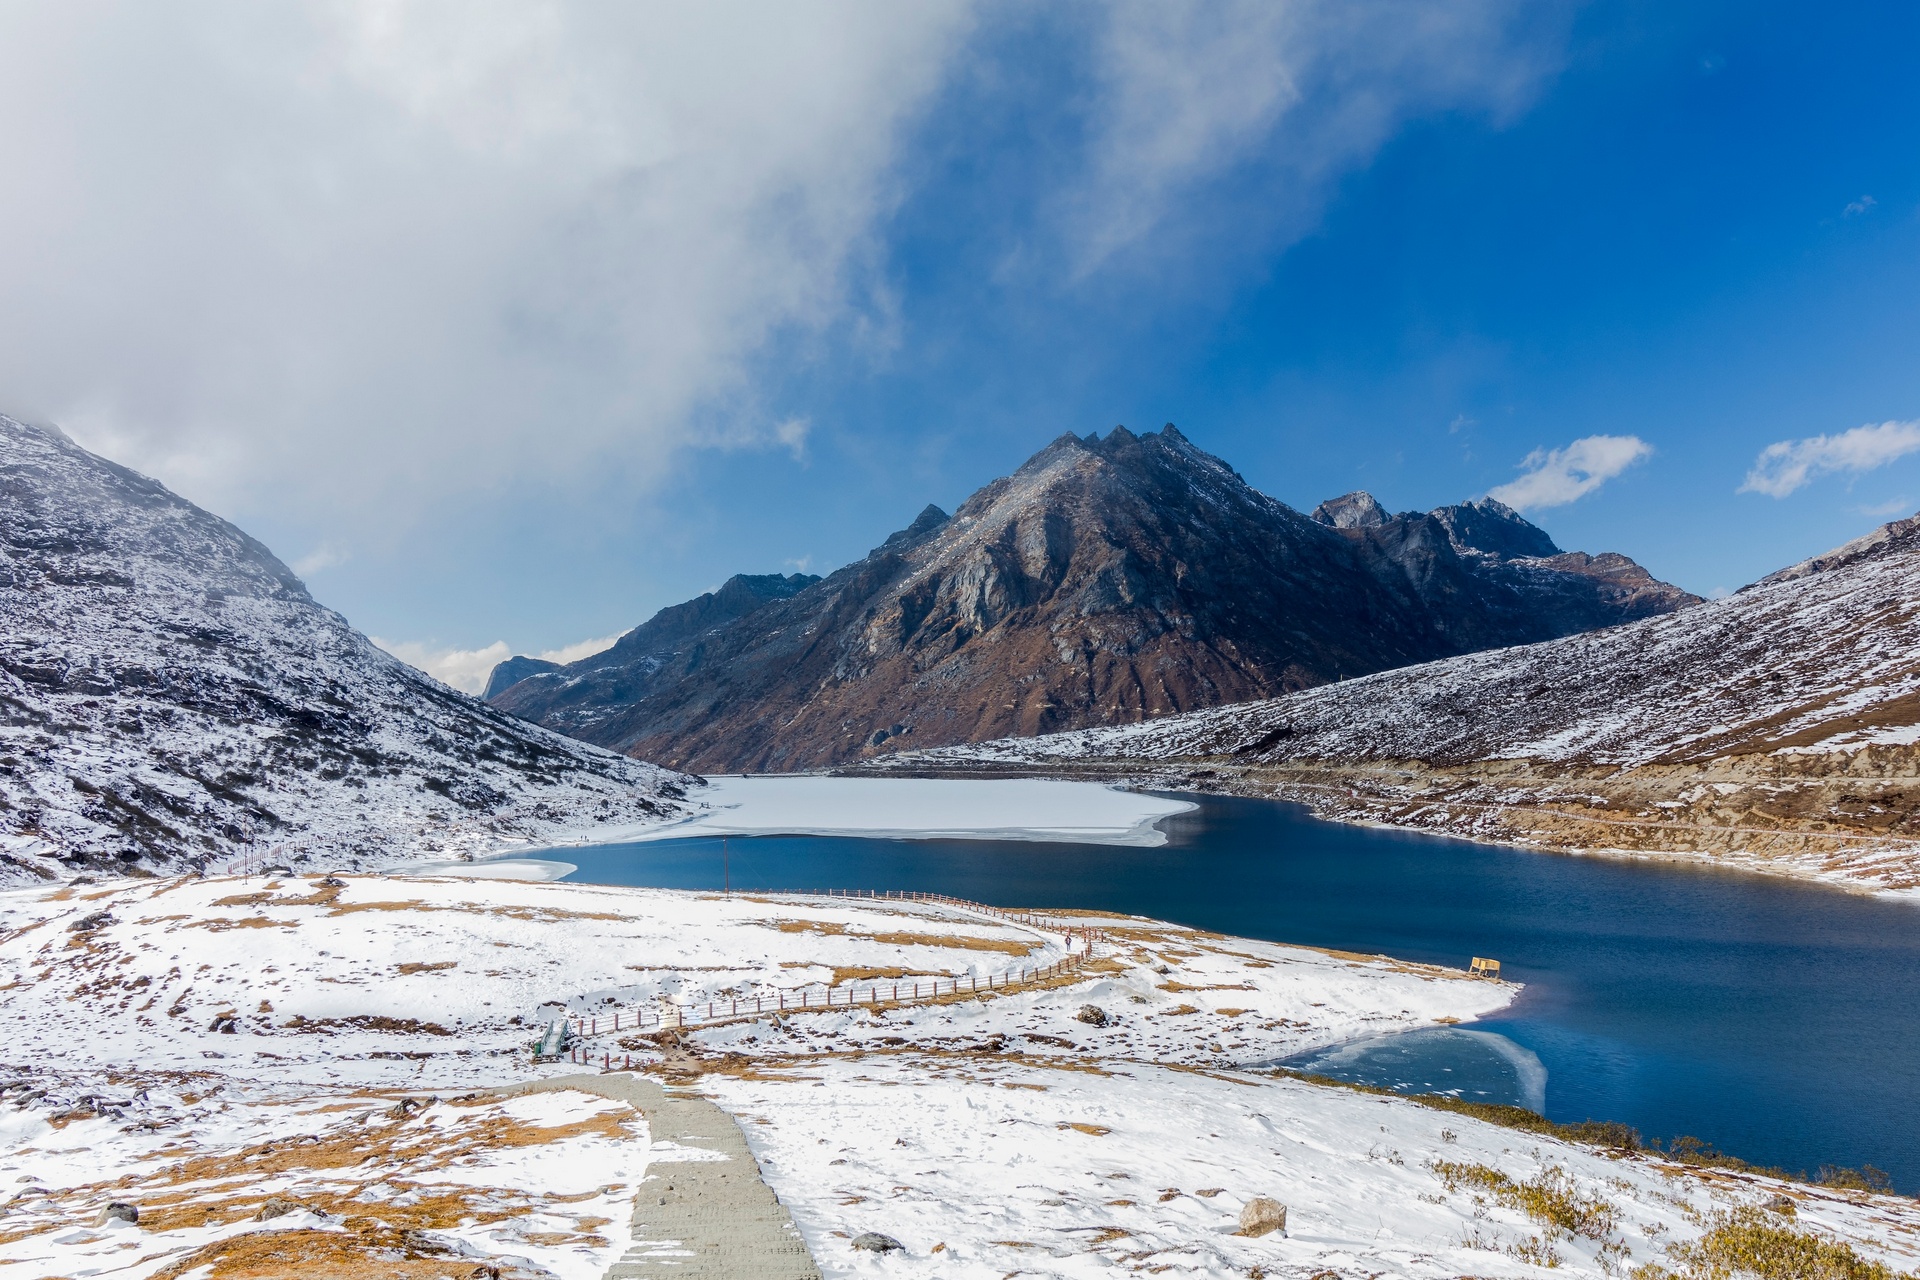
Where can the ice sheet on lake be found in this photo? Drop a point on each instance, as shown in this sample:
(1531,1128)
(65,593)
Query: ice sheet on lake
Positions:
(496,869)
(927,809)
(1480,1065)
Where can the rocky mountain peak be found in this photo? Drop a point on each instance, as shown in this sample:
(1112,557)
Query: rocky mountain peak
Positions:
(1108,579)
(1493,527)
(929,519)
(1356,510)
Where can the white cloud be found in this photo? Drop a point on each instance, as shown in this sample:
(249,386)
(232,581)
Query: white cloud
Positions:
(362,257)
(1786,465)
(1553,478)
(1857,207)
(467,669)
(578,650)
(464,669)
(1189,90)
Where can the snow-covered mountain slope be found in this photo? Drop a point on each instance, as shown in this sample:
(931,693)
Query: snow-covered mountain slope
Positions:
(1777,727)
(169,692)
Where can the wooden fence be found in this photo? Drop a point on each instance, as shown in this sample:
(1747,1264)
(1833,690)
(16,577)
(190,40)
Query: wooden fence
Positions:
(894,993)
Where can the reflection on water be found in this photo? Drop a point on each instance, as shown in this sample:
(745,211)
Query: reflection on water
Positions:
(1478,1066)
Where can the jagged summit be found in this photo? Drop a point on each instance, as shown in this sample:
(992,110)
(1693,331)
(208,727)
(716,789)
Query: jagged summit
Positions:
(1356,510)
(169,692)
(1109,579)
(1492,526)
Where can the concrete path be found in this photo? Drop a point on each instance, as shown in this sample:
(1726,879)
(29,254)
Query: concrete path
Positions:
(698,1219)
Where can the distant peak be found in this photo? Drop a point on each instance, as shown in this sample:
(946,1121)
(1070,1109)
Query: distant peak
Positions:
(929,519)
(1356,510)
(1487,524)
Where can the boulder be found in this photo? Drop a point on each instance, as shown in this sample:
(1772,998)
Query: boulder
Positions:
(278,1207)
(1261,1216)
(874,1242)
(1093,1015)
(118,1211)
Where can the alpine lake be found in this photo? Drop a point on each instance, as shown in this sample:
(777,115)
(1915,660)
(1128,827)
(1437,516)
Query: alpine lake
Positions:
(1776,1020)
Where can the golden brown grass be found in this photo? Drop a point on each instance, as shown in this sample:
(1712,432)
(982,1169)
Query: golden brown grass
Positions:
(1752,1242)
(326,1171)
(1550,1198)
(901,938)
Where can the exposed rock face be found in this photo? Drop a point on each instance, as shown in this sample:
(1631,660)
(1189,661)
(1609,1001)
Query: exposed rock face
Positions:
(1107,581)
(169,692)
(1495,528)
(507,674)
(1356,510)
(625,673)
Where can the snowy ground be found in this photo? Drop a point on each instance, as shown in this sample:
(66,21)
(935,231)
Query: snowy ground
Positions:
(211,1045)
(918,809)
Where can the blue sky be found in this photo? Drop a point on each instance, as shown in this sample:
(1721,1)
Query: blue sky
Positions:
(1338,247)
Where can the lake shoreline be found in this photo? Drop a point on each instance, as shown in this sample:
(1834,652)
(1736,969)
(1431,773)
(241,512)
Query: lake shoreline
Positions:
(1375,796)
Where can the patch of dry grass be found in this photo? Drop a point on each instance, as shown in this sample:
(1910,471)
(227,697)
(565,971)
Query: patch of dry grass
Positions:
(1550,1198)
(1751,1242)
(901,938)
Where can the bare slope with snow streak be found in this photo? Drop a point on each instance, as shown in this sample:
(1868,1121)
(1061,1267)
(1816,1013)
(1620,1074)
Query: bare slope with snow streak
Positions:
(1778,726)
(169,691)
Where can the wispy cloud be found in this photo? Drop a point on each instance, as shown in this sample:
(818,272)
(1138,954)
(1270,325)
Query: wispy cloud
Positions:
(1892,507)
(1787,465)
(467,669)
(1555,477)
(1857,207)
(324,556)
(1187,92)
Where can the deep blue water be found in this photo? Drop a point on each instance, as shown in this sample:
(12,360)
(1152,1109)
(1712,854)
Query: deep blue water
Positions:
(1778,1021)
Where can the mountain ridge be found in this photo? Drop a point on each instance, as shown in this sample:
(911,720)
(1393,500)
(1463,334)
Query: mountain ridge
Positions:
(1107,579)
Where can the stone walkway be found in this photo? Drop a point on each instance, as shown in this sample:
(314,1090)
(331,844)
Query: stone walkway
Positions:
(697,1219)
